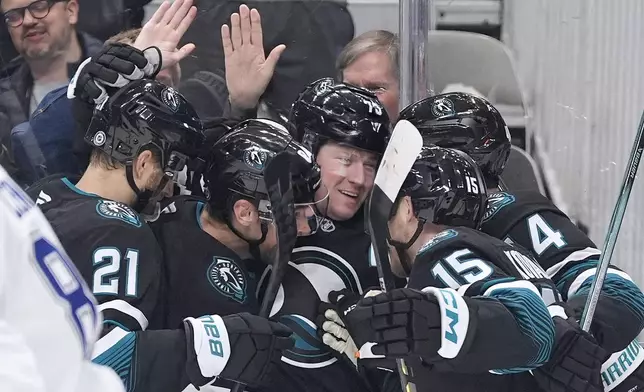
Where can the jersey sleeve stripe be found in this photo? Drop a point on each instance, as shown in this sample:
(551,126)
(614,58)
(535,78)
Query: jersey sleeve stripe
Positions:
(578,255)
(107,341)
(119,356)
(524,301)
(515,284)
(126,308)
(590,275)
(624,292)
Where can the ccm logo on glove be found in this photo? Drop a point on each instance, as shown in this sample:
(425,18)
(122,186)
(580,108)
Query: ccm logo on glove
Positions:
(455,320)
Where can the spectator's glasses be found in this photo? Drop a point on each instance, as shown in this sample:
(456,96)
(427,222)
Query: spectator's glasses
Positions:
(38,9)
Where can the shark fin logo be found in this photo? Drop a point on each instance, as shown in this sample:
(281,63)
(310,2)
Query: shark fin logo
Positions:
(443,107)
(228,279)
(255,158)
(495,202)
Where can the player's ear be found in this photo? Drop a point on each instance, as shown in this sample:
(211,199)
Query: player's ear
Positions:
(244,212)
(407,209)
(143,163)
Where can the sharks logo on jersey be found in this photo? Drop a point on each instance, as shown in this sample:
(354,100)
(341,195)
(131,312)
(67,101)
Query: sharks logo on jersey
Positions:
(313,273)
(116,210)
(229,280)
(495,202)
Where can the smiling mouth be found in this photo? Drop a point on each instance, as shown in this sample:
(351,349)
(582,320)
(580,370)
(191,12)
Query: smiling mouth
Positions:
(353,195)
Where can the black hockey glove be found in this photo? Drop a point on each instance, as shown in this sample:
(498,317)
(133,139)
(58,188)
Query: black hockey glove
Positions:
(402,322)
(614,325)
(114,66)
(576,361)
(239,347)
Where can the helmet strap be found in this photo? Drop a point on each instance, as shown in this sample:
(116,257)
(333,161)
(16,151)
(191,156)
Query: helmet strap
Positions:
(253,245)
(401,247)
(143,198)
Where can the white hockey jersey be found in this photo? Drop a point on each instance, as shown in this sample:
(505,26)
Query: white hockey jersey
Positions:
(49,321)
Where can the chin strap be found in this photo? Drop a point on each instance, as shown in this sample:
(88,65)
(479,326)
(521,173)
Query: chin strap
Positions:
(253,245)
(401,247)
(143,198)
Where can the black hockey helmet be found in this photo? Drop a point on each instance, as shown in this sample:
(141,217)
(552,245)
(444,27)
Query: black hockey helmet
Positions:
(465,122)
(446,188)
(147,115)
(237,165)
(346,114)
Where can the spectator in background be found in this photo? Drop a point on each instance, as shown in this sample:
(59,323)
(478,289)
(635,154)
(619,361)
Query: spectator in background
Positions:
(44,34)
(371,61)
(7,50)
(314,32)
(99,18)
(106,18)
(49,142)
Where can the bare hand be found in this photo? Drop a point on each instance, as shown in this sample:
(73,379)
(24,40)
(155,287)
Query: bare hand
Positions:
(248,71)
(164,30)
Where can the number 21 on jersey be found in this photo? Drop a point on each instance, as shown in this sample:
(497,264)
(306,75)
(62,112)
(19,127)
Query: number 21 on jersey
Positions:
(108,263)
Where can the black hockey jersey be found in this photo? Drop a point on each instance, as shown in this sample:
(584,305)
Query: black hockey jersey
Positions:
(112,247)
(121,261)
(204,276)
(498,322)
(338,256)
(570,258)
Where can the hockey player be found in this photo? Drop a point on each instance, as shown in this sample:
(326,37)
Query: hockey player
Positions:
(39,284)
(346,129)
(144,134)
(473,306)
(570,258)
(227,236)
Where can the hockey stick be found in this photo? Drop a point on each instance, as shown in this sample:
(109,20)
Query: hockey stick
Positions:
(399,157)
(277,177)
(613,228)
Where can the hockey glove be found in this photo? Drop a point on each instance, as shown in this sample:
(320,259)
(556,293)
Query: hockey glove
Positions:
(576,361)
(333,326)
(401,322)
(239,347)
(614,324)
(114,66)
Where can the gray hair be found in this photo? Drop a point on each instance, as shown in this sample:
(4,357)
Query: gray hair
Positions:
(371,41)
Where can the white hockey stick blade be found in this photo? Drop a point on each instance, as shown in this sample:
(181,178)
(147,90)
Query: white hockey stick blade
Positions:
(401,153)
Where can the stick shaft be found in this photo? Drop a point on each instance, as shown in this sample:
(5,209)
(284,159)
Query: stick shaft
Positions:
(614,227)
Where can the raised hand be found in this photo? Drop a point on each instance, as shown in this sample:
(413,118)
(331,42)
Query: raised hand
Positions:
(165,29)
(248,70)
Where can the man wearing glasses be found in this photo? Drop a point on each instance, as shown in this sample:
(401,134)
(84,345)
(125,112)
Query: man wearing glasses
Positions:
(44,34)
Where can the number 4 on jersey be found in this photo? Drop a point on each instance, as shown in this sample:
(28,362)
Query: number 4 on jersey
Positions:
(542,235)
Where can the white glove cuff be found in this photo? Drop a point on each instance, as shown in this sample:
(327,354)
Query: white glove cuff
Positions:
(211,344)
(455,319)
